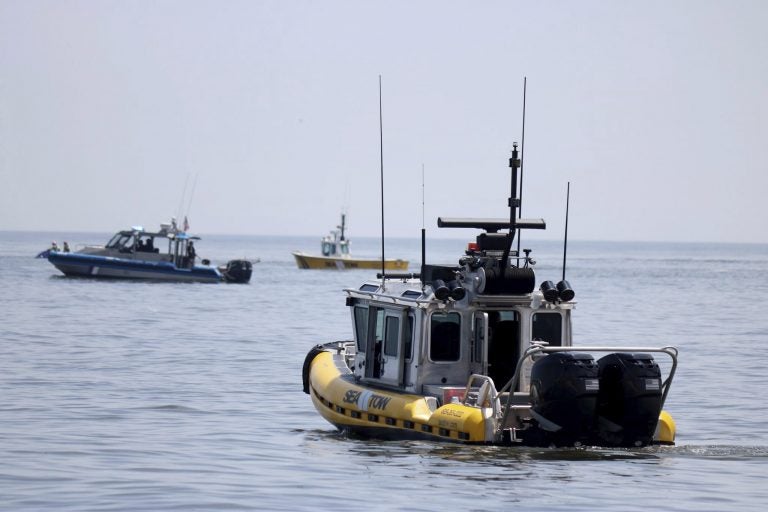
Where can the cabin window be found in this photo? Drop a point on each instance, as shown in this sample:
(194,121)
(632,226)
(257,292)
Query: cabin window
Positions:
(477,341)
(391,334)
(548,327)
(445,337)
(408,341)
(122,242)
(114,241)
(361,326)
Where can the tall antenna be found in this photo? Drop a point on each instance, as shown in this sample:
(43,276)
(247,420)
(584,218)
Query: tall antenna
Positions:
(381,167)
(565,239)
(522,161)
(423,231)
(422,196)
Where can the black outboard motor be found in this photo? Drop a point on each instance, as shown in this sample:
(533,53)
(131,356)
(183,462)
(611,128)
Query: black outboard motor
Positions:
(564,387)
(629,401)
(237,271)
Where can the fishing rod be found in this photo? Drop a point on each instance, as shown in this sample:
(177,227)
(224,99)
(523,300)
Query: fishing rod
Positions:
(183,196)
(189,204)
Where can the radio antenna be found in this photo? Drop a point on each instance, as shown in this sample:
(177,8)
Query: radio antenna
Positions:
(381,168)
(565,238)
(423,231)
(422,196)
(522,161)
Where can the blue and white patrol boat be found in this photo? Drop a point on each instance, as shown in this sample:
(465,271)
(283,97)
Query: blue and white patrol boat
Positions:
(164,255)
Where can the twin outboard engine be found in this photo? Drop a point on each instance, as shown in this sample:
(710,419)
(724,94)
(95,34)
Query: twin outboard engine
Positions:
(237,271)
(564,388)
(629,401)
(615,401)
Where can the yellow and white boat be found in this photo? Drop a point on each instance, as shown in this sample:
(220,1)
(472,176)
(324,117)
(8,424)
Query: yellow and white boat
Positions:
(336,255)
(475,353)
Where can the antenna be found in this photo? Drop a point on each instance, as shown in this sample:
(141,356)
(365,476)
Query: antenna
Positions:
(381,167)
(514,202)
(522,161)
(423,231)
(565,239)
(422,196)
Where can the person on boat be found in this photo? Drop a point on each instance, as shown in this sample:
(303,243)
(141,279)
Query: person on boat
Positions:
(66,246)
(149,245)
(54,246)
(191,254)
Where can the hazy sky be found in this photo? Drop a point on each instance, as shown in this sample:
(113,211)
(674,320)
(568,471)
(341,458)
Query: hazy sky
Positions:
(656,111)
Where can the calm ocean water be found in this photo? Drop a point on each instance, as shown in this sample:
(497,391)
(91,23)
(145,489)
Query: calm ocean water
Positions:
(118,395)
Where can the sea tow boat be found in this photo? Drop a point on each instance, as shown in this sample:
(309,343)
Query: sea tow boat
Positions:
(475,353)
(335,255)
(165,255)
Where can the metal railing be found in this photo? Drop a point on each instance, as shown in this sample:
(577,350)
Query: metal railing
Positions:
(542,348)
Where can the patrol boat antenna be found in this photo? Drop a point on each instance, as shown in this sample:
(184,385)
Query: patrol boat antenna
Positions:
(381,168)
(423,231)
(565,238)
(522,161)
(514,203)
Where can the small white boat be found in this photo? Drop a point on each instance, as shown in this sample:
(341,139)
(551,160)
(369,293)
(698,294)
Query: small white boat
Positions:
(336,255)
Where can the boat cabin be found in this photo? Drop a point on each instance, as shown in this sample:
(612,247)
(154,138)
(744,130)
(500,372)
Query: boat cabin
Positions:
(429,339)
(332,245)
(166,245)
(335,244)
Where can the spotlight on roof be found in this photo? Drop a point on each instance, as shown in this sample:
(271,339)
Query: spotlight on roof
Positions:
(549,290)
(441,290)
(457,291)
(564,291)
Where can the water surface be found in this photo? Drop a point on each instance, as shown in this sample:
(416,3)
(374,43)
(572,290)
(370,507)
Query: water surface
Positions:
(120,395)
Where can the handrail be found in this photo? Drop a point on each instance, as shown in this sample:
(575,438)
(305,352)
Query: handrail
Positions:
(538,347)
(492,399)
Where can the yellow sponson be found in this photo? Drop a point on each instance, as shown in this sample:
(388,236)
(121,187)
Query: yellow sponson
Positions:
(665,429)
(337,262)
(349,405)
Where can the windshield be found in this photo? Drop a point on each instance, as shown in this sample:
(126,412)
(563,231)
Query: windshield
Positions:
(113,241)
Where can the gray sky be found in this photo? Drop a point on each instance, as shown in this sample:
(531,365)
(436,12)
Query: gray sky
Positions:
(656,111)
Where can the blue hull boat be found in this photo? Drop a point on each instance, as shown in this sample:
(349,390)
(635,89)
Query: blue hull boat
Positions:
(164,255)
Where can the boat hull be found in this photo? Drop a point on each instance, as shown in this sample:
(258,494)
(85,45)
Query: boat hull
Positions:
(383,414)
(380,413)
(86,265)
(307,261)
